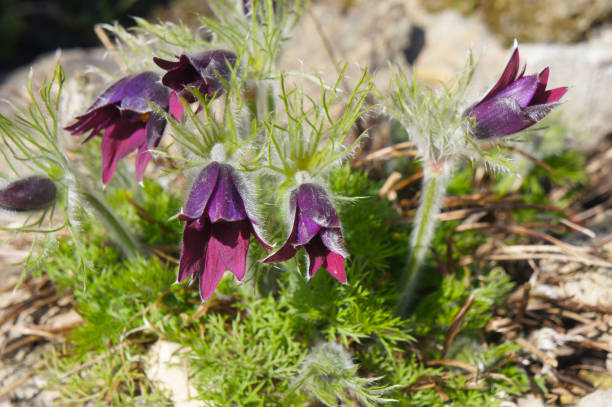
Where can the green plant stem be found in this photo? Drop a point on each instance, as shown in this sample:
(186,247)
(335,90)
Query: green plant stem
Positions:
(113,225)
(435,182)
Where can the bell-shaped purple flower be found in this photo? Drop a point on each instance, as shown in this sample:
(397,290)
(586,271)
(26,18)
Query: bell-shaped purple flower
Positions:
(316,228)
(200,71)
(128,121)
(28,194)
(218,229)
(514,103)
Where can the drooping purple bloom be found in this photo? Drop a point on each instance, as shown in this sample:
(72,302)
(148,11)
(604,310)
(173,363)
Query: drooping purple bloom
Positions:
(514,103)
(200,71)
(28,194)
(316,228)
(128,121)
(218,229)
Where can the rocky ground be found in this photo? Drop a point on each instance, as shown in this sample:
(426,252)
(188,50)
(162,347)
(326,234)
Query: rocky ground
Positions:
(561,315)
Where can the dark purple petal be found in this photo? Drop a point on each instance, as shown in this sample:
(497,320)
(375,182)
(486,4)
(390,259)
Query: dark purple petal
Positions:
(522,90)
(554,95)
(498,117)
(306,229)
(181,74)
(320,256)
(201,192)
(27,194)
(165,64)
(216,62)
(508,76)
(232,240)
(541,89)
(332,239)
(201,71)
(96,120)
(227,250)
(543,96)
(154,127)
(289,249)
(195,240)
(133,91)
(226,203)
(315,204)
(116,145)
(259,236)
(538,112)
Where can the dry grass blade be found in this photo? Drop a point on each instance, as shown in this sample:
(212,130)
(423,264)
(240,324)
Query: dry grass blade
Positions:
(455,326)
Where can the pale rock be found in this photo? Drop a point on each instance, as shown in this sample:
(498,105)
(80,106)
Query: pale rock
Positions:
(165,366)
(599,398)
(530,401)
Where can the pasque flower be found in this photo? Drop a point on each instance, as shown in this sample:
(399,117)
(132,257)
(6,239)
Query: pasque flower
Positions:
(218,228)
(27,194)
(316,228)
(514,103)
(128,121)
(200,71)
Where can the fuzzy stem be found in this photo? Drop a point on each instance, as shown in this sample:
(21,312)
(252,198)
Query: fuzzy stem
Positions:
(435,180)
(119,233)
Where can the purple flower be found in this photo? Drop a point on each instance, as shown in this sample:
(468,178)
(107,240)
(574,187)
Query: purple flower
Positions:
(316,228)
(129,123)
(27,194)
(514,103)
(218,229)
(200,71)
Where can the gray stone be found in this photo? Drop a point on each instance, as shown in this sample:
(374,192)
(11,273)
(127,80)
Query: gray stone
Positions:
(600,398)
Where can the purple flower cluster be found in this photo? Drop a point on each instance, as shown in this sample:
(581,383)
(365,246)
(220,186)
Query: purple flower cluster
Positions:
(129,122)
(218,214)
(219,225)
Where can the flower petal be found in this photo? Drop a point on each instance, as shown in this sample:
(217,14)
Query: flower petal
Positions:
(195,240)
(315,204)
(181,74)
(201,191)
(498,118)
(227,250)
(289,249)
(320,256)
(176,106)
(522,90)
(231,241)
(332,239)
(507,77)
(226,203)
(538,112)
(306,229)
(142,159)
(116,145)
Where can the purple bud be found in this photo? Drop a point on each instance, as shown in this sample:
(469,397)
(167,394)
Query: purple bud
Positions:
(316,228)
(202,71)
(28,194)
(128,122)
(514,103)
(218,230)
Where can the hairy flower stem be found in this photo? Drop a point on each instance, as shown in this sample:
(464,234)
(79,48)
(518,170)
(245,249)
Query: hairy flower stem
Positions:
(435,180)
(113,225)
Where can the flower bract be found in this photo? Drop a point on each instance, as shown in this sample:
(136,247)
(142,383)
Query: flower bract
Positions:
(129,123)
(218,228)
(316,228)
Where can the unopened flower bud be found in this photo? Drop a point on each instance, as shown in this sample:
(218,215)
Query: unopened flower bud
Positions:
(28,194)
